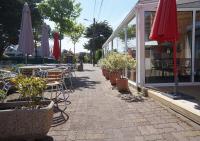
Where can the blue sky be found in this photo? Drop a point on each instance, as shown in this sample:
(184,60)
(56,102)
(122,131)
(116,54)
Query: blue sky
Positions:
(114,11)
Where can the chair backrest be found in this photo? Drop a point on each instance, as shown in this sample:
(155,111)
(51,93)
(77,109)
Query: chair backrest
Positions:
(54,75)
(27,72)
(5,86)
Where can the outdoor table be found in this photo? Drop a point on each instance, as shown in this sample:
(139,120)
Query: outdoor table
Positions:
(34,68)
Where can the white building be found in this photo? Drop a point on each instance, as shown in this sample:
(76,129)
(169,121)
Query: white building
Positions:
(155,62)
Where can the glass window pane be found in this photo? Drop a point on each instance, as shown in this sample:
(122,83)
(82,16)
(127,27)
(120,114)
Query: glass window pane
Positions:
(184,46)
(159,56)
(131,43)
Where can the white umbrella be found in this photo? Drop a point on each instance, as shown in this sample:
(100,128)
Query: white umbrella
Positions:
(45,41)
(26,44)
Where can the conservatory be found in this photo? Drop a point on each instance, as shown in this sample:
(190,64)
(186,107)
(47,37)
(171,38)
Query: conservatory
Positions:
(155,60)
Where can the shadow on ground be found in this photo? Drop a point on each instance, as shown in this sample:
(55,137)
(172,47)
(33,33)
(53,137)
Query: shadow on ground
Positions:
(47,138)
(84,82)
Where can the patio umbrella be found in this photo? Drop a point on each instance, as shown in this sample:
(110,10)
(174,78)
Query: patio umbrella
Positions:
(26,44)
(45,41)
(165,28)
(56,49)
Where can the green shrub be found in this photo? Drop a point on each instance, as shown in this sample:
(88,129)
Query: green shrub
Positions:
(30,87)
(2,95)
(86,59)
(117,62)
(98,55)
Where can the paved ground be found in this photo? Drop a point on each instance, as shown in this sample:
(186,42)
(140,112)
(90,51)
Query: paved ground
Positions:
(97,113)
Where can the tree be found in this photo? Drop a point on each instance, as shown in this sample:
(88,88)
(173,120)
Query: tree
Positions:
(98,33)
(76,33)
(10,15)
(62,12)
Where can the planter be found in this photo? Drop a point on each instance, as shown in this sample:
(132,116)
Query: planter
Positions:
(107,74)
(113,76)
(103,71)
(25,123)
(122,84)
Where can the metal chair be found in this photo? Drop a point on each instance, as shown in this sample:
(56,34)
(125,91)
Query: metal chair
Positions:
(54,79)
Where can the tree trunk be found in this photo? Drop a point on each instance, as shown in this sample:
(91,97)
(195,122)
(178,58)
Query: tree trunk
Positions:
(93,56)
(74,48)
(35,49)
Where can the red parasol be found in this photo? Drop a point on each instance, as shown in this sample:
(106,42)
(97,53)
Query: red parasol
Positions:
(56,48)
(165,27)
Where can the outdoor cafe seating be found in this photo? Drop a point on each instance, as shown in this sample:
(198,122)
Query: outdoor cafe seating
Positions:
(55,77)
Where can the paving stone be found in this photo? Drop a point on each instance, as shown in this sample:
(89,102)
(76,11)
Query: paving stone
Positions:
(97,113)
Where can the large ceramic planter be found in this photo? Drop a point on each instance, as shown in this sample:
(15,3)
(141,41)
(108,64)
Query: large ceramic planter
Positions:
(25,123)
(113,76)
(103,71)
(107,74)
(122,84)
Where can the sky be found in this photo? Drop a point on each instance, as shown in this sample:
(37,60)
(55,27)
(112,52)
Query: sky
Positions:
(113,11)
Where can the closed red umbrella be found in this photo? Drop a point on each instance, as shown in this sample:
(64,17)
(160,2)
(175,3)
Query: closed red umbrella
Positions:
(56,48)
(165,27)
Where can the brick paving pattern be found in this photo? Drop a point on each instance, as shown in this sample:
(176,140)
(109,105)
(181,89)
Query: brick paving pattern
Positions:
(97,113)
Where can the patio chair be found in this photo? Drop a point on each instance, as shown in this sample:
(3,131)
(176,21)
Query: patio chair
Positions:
(5,81)
(5,86)
(26,72)
(67,74)
(54,79)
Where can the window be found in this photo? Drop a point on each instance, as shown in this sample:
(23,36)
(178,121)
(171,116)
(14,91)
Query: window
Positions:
(159,56)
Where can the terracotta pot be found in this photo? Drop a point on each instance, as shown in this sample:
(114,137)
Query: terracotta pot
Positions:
(122,84)
(113,76)
(107,74)
(103,71)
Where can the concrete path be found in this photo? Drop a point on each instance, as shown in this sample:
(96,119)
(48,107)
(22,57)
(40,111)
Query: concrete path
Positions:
(97,113)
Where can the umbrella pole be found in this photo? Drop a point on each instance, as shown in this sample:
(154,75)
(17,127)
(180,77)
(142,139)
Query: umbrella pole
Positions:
(26,59)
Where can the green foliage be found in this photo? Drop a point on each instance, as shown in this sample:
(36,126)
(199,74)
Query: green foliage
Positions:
(62,12)
(98,33)
(86,59)
(30,87)
(74,61)
(10,15)
(2,95)
(131,32)
(76,33)
(98,55)
(117,62)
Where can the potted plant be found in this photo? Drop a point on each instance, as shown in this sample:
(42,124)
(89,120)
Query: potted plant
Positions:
(127,62)
(28,117)
(115,62)
(104,67)
(101,63)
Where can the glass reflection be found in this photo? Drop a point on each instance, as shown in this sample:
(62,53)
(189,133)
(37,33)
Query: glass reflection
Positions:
(159,56)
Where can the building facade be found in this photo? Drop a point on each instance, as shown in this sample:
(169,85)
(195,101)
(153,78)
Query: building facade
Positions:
(155,60)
